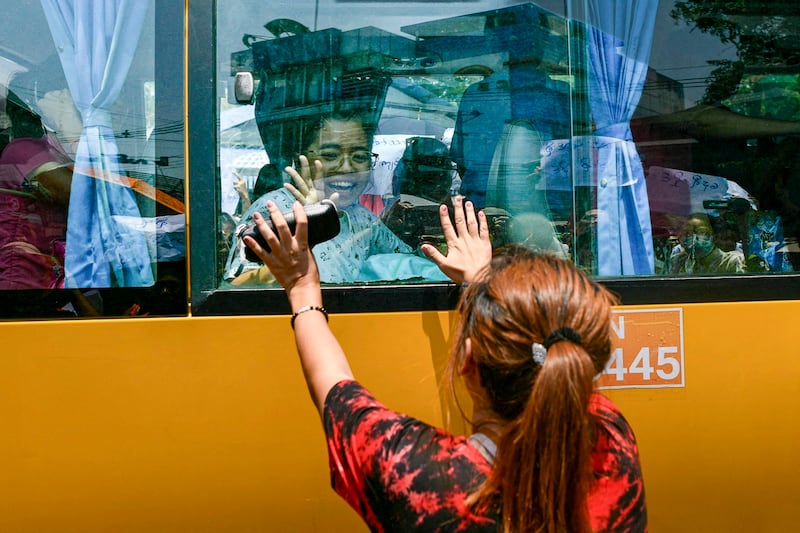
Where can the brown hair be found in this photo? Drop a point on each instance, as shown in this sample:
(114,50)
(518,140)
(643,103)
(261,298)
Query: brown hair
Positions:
(542,472)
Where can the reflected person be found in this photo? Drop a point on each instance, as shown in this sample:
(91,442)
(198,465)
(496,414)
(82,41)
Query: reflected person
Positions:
(421,182)
(535,232)
(35,183)
(335,164)
(697,252)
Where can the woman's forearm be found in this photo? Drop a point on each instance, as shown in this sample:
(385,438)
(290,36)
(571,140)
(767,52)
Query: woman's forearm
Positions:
(322,358)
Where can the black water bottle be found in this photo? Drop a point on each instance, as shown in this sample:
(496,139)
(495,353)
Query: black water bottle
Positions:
(323,225)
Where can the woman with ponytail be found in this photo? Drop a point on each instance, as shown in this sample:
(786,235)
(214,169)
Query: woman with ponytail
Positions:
(548,452)
(534,332)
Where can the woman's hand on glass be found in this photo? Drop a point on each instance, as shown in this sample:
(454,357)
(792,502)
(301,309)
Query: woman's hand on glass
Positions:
(289,260)
(469,248)
(304,188)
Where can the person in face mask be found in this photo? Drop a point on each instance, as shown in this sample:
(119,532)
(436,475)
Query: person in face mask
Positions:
(698,254)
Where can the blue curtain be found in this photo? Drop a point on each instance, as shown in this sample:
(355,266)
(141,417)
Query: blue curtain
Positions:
(96,41)
(620,37)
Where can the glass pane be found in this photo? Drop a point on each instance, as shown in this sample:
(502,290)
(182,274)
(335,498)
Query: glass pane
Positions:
(405,106)
(634,138)
(703,181)
(91,169)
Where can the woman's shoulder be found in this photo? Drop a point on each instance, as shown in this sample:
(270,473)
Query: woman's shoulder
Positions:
(352,397)
(615,443)
(609,416)
(617,499)
(418,474)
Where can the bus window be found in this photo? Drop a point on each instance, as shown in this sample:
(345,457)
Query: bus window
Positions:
(432,108)
(692,154)
(91,169)
(635,139)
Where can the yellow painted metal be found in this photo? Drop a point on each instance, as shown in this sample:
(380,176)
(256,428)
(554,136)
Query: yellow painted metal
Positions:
(721,453)
(204,425)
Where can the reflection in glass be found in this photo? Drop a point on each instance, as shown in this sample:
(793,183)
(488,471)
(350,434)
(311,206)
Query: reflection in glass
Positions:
(35,181)
(698,251)
(84,155)
(449,85)
(365,249)
(613,125)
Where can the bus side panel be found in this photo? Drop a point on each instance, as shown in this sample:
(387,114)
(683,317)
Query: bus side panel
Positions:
(720,453)
(203,424)
(187,424)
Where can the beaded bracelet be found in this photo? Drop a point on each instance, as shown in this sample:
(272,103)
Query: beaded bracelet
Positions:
(309,308)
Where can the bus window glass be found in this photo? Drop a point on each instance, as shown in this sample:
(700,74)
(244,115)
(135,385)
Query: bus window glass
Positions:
(695,122)
(634,138)
(404,107)
(91,190)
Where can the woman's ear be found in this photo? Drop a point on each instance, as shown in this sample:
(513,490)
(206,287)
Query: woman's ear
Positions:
(467,363)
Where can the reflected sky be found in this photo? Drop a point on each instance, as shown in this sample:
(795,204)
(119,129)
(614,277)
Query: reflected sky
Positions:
(671,56)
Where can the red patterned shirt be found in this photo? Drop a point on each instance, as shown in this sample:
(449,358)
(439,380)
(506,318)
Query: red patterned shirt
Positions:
(401,474)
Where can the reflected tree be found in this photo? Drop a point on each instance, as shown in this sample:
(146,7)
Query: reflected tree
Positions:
(763,33)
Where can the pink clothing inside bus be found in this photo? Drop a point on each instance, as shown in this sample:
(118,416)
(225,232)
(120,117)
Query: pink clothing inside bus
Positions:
(32,228)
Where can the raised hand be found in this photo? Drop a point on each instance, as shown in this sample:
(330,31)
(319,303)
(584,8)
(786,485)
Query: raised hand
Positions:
(469,249)
(240,186)
(304,189)
(290,260)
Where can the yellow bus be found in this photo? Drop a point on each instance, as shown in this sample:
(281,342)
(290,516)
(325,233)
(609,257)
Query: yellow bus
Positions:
(143,387)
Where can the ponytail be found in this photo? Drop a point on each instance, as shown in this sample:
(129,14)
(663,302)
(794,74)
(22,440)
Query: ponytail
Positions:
(542,472)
